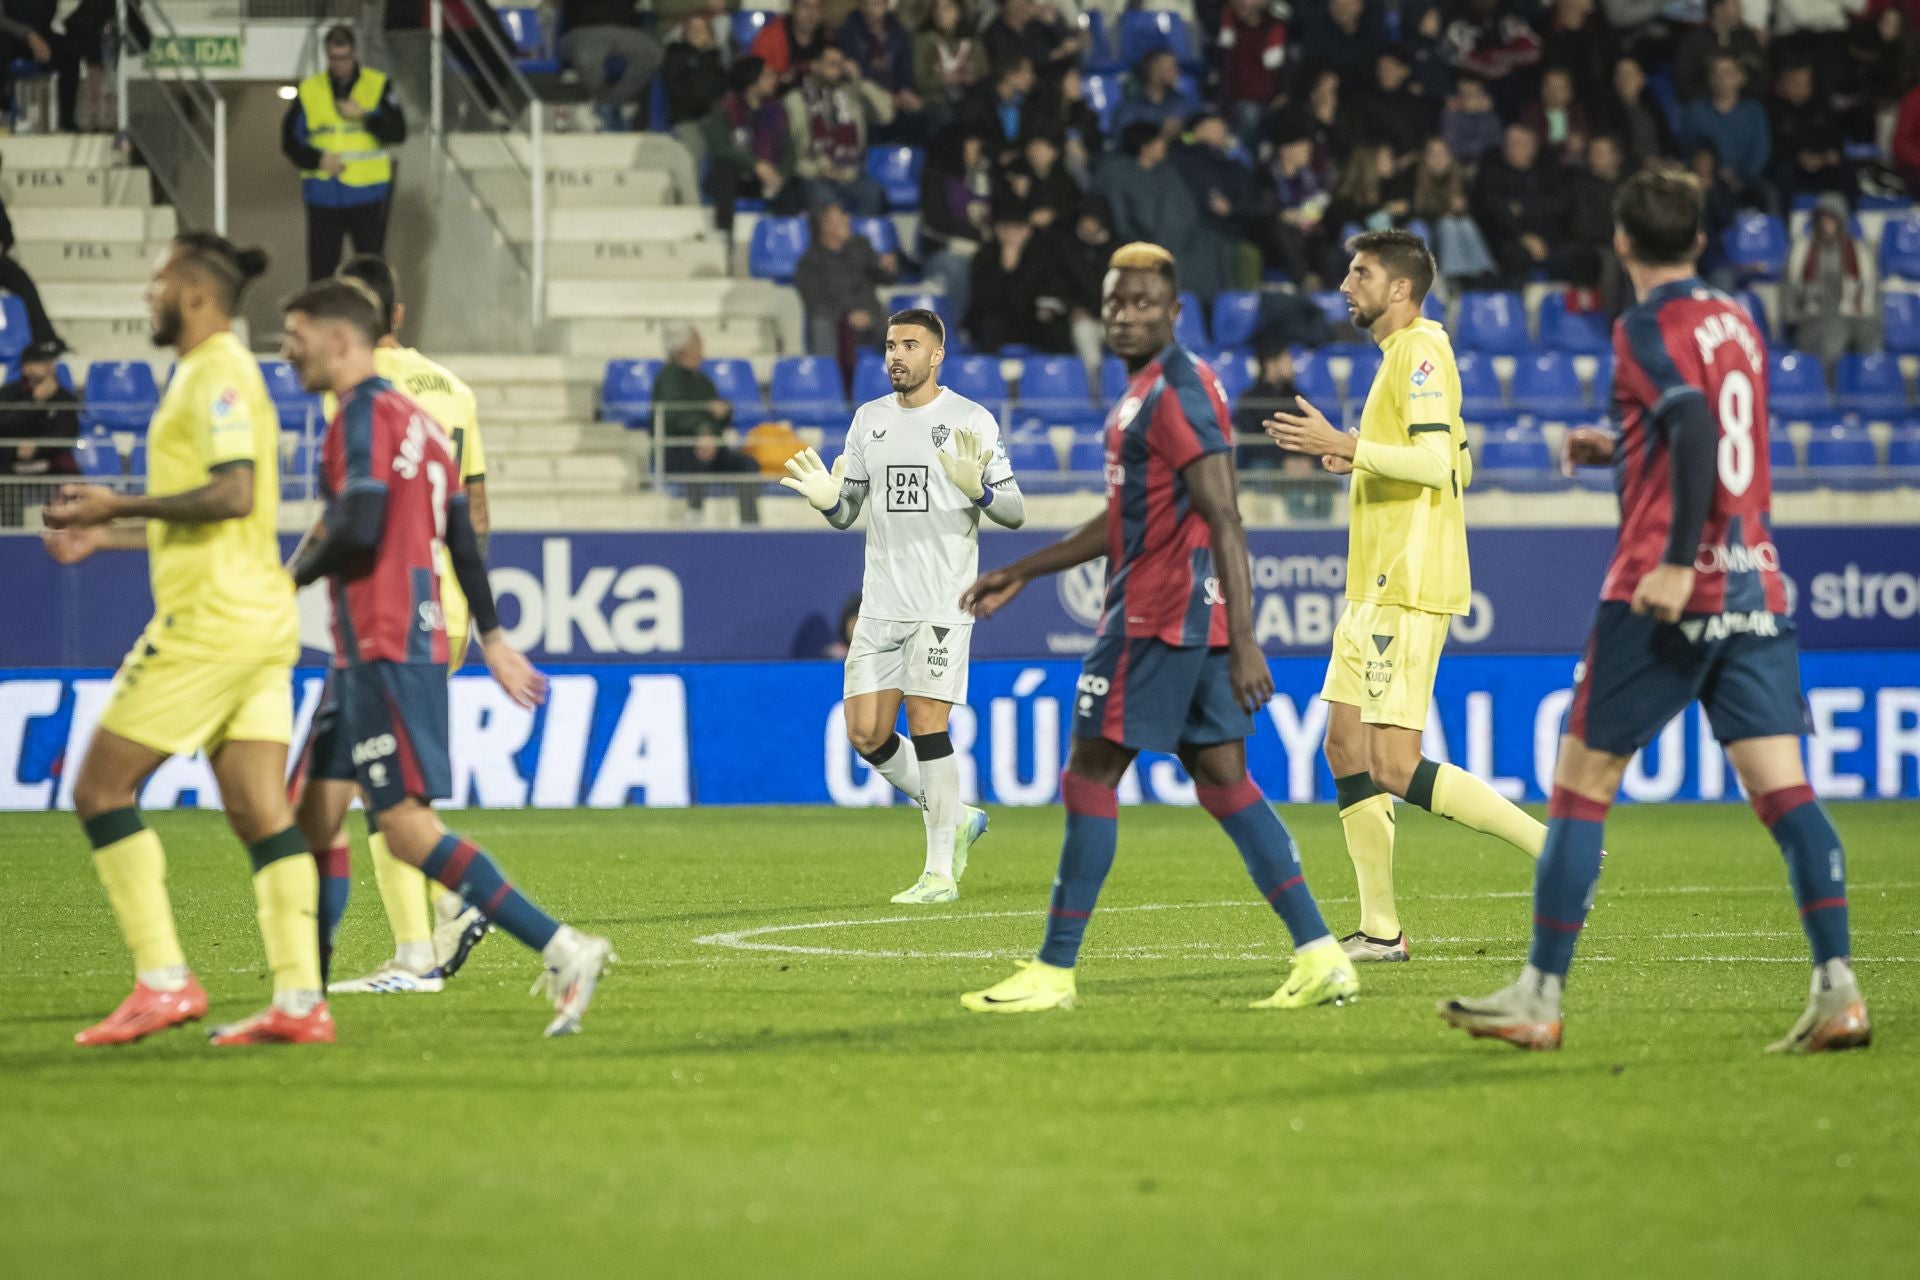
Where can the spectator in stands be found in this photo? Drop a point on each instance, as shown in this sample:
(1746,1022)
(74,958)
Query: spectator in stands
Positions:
(92,31)
(1223,187)
(1635,117)
(1372,194)
(1253,58)
(1333,125)
(1062,111)
(829,116)
(1573,38)
(1808,156)
(1556,118)
(1396,114)
(948,59)
(596,31)
(1343,38)
(1019,294)
(1001,113)
(1469,124)
(1084,253)
(1520,204)
(696,79)
(1040,181)
(1151,202)
(1829,296)
(1591,262)
(748,146)
(15,280)
(1906,139)
(1440,200)
(336,132)
(34,406)
(1497,45)
(693,423)
(790,43)
(1155,95)
(1736,126)
(1024,30)
(1721,207)
(1724,31)
(27,35)
(1417,26)
(838,279)
(956,187)
(875,41)
(1814,32)
(1294,240)
(1306,492)
(1884,58)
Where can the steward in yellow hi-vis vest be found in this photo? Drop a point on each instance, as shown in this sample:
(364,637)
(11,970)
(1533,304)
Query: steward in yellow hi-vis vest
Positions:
(338,133)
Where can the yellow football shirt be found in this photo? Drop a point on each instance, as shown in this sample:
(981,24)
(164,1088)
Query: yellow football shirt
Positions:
(1407,543)
(218,589)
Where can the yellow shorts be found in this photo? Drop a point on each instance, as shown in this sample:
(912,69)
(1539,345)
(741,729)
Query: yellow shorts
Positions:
(457,642)
(177,705)
(1384,661)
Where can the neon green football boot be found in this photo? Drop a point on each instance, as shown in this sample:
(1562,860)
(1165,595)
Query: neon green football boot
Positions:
(1321,974)
(1036,988)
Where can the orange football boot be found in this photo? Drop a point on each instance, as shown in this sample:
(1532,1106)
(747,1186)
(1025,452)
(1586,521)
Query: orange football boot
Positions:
(272,1025)
(146,1011)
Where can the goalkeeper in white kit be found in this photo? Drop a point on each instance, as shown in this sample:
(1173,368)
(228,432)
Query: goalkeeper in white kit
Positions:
(929,462)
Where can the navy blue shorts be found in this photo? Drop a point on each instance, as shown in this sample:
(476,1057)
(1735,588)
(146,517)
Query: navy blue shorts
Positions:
(1153,696)
(384,726)
(1639,673)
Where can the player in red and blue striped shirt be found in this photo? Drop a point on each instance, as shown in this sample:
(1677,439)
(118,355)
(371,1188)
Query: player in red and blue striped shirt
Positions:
(1693,609)
(1175,667)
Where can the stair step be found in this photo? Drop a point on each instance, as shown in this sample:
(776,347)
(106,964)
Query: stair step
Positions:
(60,151)
(75,188)
(47,261)
(606,339)
(668,222)
(30,223)
(95,300)
(651,152)
(629,259)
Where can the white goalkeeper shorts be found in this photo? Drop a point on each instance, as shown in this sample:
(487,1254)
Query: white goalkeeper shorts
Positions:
(924,659)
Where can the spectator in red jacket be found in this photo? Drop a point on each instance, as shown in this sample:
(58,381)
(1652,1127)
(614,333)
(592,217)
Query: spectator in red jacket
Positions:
(1906,139)
(791,44)
(1253,55)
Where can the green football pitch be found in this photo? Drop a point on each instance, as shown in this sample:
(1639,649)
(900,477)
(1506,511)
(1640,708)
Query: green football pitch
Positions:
(778,1081)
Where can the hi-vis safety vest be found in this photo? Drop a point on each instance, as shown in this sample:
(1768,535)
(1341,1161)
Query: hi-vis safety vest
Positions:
(368,164)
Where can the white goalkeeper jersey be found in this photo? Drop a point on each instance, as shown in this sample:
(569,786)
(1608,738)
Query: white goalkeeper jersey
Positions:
(923,534)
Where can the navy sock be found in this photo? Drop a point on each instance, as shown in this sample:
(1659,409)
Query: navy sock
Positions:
(469,872)
(336,884)
(1093,831)
(1268,850)
(1564,881)
(1815,865)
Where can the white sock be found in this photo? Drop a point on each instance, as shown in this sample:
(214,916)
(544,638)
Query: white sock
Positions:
(561,948)
(902,769)
(297,1003)
(171,978)
(414,956)
(942,778)
(1544,987)
(1324,940)
(448,905)
(1836,973)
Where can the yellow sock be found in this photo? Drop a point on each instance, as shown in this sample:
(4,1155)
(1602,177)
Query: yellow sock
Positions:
(286,889)
(133,868)
(403,892)
(1458,796)
(1366,815)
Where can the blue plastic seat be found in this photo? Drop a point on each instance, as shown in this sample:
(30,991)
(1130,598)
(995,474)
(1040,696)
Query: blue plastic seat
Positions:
(1900,321)
(1236,317)
(1234,367)
(1756,245)
(747,24)
(1577,332)
(15,333)
(1495,322)
(1756,307)
(1333,305)
(1087,454)
(121,395)
(878,232)
(1431,307)
(1903,450)
(1516,458)
(1313,379)
(1796,386)
(1113,380)
(532,43)
(1100,55)
(979,379)
(1142,32)
(1055,389)
(1843,457)
(870,381)
(733,381)
(1871,386)
(1031,454)
(626,393)
(97,456)
(297,408)
(1102,90)
(1545,384)
(897,170)
(137,461)
(1190,329)
(776,247)
(1479,384)
(1900,246)
(1363,366)
(806,390)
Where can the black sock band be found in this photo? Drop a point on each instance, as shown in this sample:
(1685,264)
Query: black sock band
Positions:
(287,844)
(1420,790)
(112,827)
(932,746)
(883,753)
(1354,788)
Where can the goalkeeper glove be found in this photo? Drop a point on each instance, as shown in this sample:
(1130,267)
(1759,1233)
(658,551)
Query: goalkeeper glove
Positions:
(809,477)
(966,466)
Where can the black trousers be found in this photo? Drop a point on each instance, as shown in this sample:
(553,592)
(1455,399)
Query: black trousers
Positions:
(328,230)
(66,71)
(15,280)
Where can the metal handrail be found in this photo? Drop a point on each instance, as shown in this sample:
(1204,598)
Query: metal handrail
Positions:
(192,85)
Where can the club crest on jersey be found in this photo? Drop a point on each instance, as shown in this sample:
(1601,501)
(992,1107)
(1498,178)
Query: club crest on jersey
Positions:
(1128,407)
(1424,372)
(940,434)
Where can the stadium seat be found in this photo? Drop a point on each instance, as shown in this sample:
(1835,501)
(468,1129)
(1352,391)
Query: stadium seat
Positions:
(1190,329)
(1755,306)
(878,232)
(626,394)
(746,26)
(1900,321)
(1871,386)
(1313,378)
(1432,308)
(1113,380)
(1795,385)
(120,396)
(1576,332)
(1054,388)
(15,333)
(776,248)
(1087,454)
(97,456)
(979,379)
(870,381)
(897,170)
(1333,306)
(532,42)
(1756,246)
(1142,32)
(137,460)
(1479,385)
(1900,246)
(1903,450)
(1545,384)
(1031,454)
(806,389)
(1236,317)
(296,407)
(296,470)
(1234,367)
(1495,322)
(734,381)
(1363,366)
(1516,459)
(1102,92)
(1100,55)
(1842,457)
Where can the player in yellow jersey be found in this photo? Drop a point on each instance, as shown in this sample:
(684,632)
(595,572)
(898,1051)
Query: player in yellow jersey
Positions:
(425,953)
(213,670)
(1407,578)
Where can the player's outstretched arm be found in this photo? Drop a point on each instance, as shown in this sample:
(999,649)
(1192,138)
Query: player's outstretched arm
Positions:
(227,495)
(1210,486)
(508,666)
(992,589)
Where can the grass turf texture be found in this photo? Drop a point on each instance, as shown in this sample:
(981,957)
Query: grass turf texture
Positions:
(735,1112)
